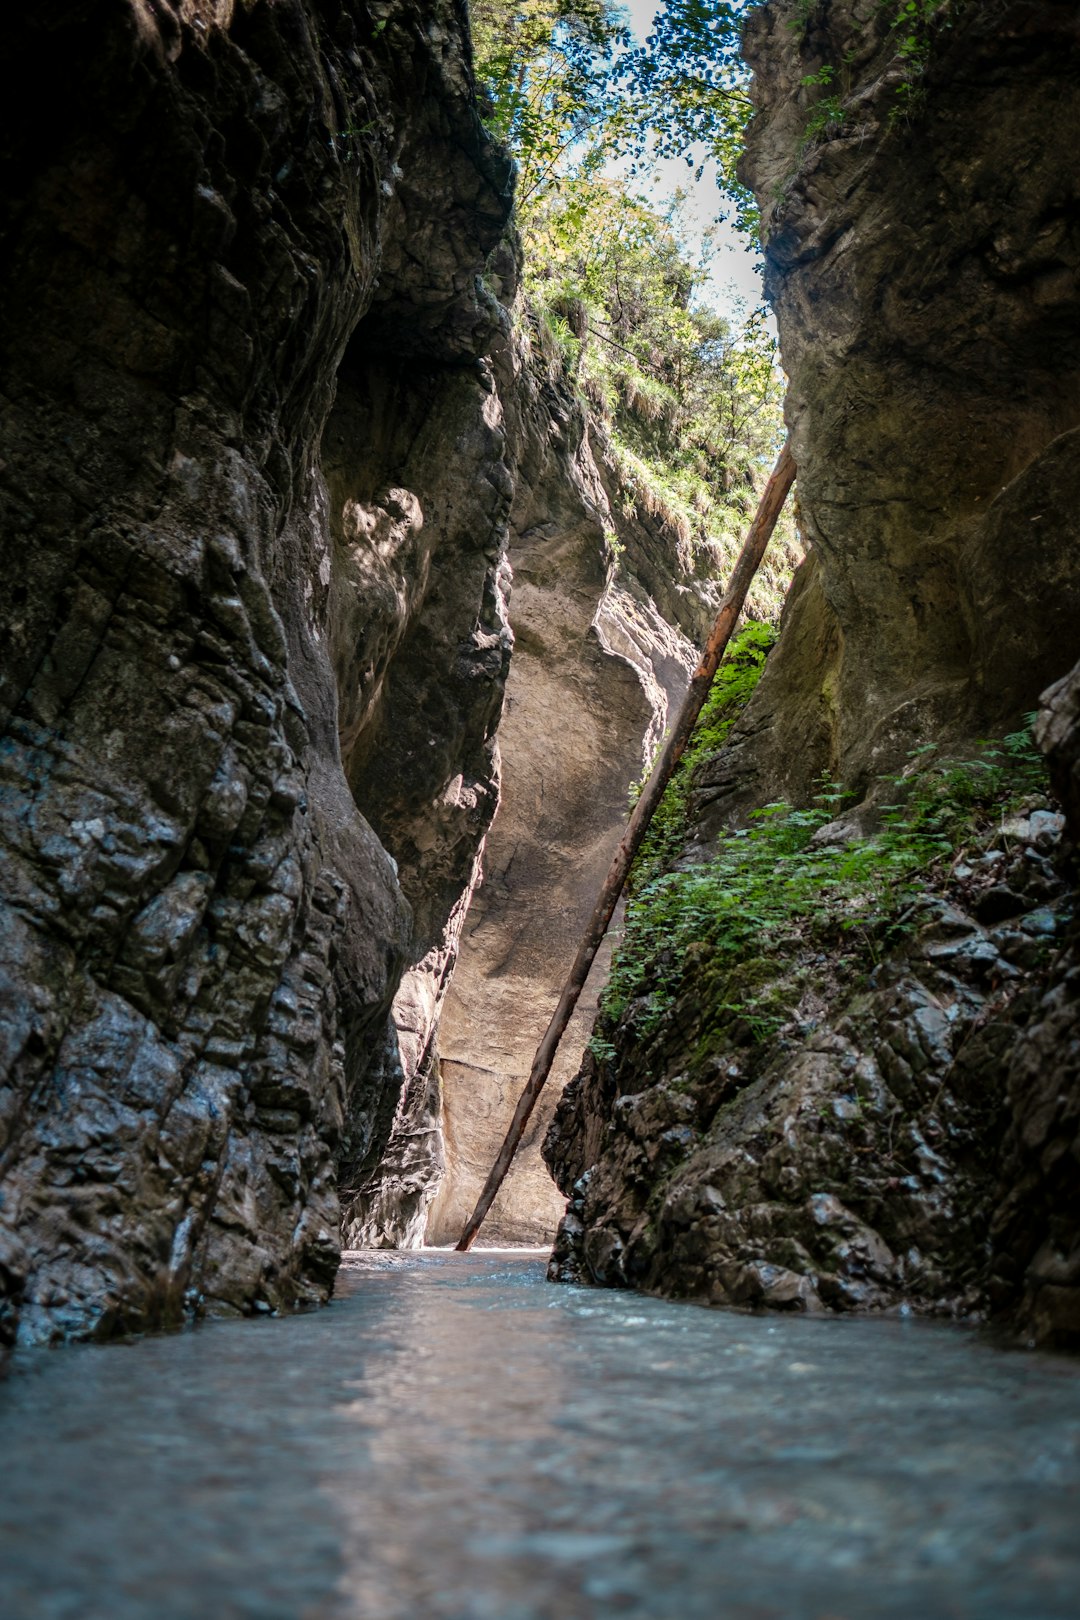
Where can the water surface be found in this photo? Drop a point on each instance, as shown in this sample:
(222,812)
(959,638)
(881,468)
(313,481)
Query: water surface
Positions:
(455,1439)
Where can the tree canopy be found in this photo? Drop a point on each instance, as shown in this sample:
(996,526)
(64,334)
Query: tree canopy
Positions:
(567,74)
(689,399)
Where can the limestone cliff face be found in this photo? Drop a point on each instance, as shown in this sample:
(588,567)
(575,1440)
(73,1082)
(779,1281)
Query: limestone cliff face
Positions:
(242,335)
(922,257)
(607,605)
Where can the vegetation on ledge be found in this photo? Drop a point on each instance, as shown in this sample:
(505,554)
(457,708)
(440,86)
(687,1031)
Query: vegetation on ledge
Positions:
(796,882)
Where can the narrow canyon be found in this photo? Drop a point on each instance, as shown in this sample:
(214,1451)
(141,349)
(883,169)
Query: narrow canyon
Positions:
(372,468)
(316,552)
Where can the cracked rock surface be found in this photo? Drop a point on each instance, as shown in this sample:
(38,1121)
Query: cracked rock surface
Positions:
(231,217)
(853,1161)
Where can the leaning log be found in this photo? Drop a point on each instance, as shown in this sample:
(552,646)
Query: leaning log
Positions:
(749,560)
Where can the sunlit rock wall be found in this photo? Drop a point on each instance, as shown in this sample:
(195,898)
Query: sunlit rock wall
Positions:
(606,609)
(606,606)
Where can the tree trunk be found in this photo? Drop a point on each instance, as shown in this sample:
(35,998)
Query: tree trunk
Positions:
(772,501)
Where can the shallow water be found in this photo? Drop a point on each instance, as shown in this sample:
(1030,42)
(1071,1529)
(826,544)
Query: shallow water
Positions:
(457,1440)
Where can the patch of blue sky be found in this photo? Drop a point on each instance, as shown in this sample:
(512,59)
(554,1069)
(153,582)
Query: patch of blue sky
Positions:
(731,275)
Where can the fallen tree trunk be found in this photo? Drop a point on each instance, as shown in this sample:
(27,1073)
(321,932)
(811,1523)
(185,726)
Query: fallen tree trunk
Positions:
(769,509)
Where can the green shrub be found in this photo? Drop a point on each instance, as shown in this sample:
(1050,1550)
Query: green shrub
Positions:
(771,893)
(734,682)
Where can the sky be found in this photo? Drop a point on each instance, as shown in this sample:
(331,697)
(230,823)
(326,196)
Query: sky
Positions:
(733,274)
(733,278)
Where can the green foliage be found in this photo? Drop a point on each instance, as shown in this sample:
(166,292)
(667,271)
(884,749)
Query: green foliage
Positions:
(561,73)
(548,69)
(913,22)
(827,117)
(771,892)
(914,26)
(732,686)
(828,113)
(689,403)
(688,90)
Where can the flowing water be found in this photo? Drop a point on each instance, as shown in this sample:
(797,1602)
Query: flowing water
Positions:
(455,1439)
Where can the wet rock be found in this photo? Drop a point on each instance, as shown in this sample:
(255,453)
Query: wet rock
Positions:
(929,1116)
(857,1163)
(1036,1229)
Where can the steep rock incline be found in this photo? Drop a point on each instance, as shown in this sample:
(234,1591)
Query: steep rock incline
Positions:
(913,1140)
(200,934)
(603,640)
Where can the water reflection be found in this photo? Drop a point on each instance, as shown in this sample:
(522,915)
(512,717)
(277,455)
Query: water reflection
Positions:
(456,1440)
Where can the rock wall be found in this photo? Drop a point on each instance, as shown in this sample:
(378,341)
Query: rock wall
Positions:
(606,609)
(419,748)
(242,249)
(853,1160)
(1035,1231)
(922,256)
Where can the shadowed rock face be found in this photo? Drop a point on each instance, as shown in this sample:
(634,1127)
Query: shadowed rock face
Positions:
(424,761)
(923,266)
(924,271)
(1036,1229)
(218,210)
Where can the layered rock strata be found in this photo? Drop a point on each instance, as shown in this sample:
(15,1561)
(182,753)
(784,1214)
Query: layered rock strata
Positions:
(607,606)
(922,253)
(222,216)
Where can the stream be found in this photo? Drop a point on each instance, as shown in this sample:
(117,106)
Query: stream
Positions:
(457,1439)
